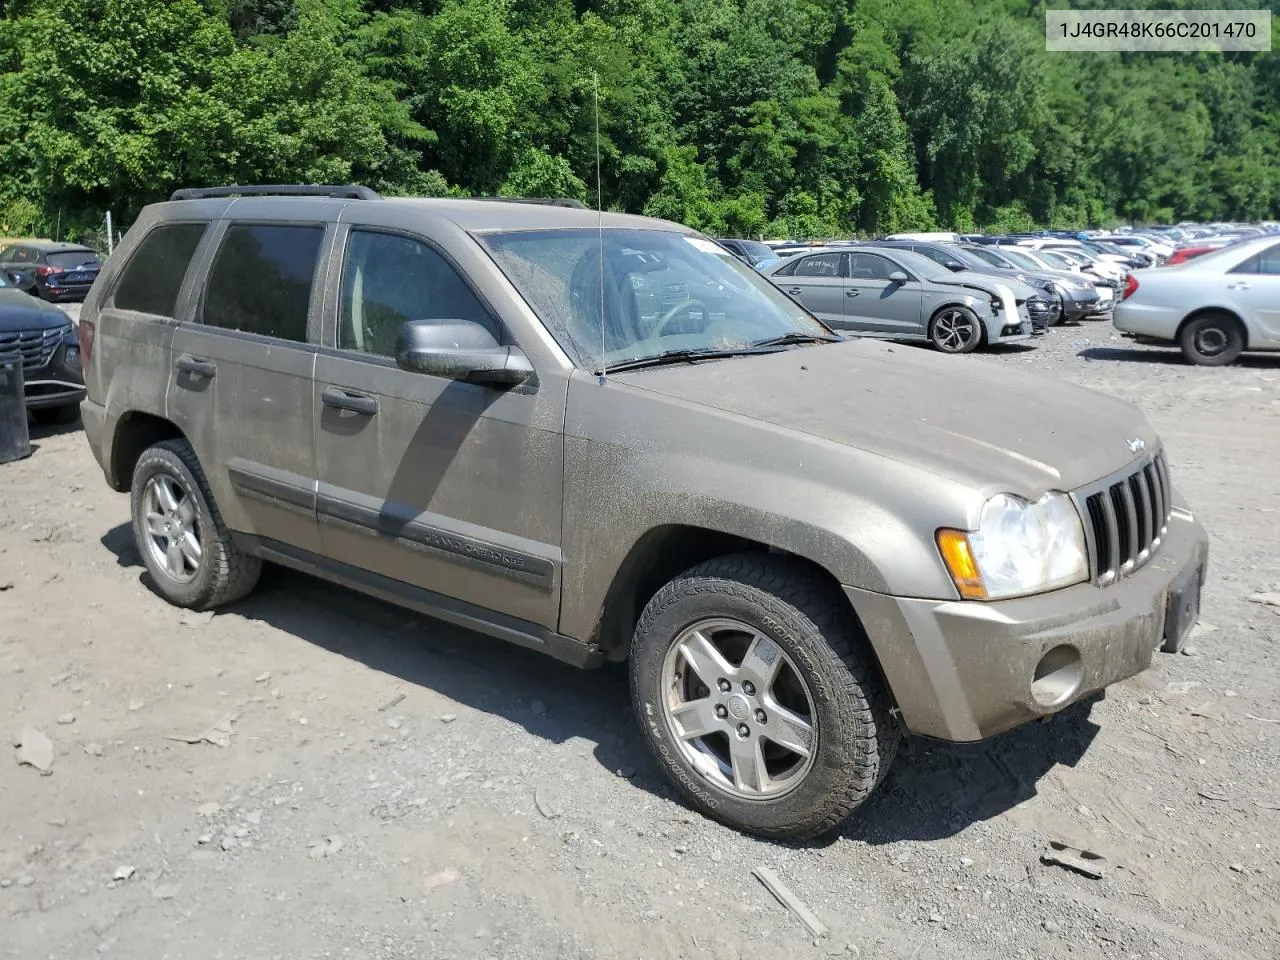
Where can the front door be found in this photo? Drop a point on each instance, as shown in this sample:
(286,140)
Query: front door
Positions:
(890,308)
(818,283)
(451,487)
(241,385)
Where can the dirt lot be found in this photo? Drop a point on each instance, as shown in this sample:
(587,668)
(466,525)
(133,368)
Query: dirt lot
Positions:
(391,788)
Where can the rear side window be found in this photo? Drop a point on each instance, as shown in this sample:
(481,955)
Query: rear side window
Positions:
(262,278)
(822,265)
(153,276)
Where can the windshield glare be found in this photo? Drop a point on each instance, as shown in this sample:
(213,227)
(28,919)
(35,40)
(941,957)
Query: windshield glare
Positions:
(662,291)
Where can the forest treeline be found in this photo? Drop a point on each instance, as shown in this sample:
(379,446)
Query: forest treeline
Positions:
(747,117)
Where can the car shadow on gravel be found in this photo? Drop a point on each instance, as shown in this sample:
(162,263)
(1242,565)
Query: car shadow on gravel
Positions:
(935,789)
(1171,355)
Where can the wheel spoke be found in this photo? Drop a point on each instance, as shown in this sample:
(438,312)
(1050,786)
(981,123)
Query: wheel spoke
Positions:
(165,494)
(186,512)
(697,718)
(190,547)
(705,659)
(761,662)
(155,524)
(788,729)
(175,563)
(748,763)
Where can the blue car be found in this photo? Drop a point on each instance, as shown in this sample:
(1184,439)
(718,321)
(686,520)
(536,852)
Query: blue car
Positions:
(45,339)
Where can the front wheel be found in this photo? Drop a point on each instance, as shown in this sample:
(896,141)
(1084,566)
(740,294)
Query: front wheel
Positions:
(1212,340)
(759,698)
(955,330)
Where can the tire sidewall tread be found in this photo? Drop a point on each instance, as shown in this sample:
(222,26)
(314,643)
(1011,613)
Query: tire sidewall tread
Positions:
(856,735)
(227,572)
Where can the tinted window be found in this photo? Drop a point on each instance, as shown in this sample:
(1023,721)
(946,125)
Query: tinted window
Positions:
(388,280)
(821,265)
(73,258)
(867,266)
(1268,262)
(261,280)
(786,270)
(936,255)
(153,276)
(20,255)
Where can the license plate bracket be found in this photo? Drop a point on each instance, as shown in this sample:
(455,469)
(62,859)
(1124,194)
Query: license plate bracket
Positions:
(1182,608)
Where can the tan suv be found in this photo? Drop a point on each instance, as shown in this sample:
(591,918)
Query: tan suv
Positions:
(606,438)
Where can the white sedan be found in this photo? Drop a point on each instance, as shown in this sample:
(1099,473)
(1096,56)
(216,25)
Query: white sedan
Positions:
(1214,307)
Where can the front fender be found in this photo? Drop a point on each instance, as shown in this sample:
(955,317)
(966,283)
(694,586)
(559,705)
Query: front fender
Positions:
(636,461)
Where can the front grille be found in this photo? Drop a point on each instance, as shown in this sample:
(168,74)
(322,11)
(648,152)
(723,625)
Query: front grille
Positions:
(34,346)
(1127,517)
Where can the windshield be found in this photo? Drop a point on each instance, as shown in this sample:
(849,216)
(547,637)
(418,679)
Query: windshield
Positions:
(662,291)
(757,251)
(992,258)
(74,258)
(1020,259)
(1056,259)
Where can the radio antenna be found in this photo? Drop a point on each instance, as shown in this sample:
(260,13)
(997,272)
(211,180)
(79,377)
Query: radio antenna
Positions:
(595,82)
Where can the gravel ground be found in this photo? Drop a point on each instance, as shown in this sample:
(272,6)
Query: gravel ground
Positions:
(370,784)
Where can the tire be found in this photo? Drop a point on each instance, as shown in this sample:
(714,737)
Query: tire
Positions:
(66,414)
(955,329)
(1212,340)
(221,572)
(826,675)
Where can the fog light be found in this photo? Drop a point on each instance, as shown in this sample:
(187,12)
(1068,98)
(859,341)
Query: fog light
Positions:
(1058,676)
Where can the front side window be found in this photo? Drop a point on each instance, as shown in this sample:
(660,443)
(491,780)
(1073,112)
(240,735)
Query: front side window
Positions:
(262,278)
(659,291)
(867,266)
(388,280)
(153,277)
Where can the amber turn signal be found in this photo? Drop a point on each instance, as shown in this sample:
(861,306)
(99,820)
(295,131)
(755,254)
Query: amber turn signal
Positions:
(958,556)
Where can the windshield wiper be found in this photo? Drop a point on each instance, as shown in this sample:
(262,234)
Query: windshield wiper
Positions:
(789,338)
(678,356)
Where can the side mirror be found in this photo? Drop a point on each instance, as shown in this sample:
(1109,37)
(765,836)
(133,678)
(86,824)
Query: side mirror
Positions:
(954,265)
(459,350)
(898,277)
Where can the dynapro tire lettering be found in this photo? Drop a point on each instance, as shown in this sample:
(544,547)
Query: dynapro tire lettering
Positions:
(672,764)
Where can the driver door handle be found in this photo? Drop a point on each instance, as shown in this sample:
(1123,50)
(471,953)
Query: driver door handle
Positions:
(1237,286)
(852,293)
(355,402)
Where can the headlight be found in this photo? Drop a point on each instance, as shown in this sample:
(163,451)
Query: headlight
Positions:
(1019,548)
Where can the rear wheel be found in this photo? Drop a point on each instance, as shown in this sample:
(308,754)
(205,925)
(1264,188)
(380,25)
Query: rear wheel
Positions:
(180,534)
(955,330)
(759,698)
(1212,340)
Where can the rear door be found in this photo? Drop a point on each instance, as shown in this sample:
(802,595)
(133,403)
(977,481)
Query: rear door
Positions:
(241,385)
(818,283)
(880,305)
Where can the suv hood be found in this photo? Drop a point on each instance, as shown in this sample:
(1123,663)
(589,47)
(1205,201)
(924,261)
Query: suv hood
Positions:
(986,426)
(21,311)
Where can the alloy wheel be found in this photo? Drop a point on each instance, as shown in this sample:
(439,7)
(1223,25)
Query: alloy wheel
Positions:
(173,534)
(739,709)
(952,330)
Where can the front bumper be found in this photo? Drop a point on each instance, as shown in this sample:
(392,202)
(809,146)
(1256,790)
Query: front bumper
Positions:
(57,383)
(966,670)
(1076,308)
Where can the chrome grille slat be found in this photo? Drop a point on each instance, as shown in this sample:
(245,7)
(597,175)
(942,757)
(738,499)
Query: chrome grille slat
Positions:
(34,346)
(1126,517)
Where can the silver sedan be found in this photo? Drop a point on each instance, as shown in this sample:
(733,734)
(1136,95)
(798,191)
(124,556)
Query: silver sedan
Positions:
(899,295)
(1214,307)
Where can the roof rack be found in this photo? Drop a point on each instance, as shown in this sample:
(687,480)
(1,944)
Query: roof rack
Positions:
(348,192)
(546,201)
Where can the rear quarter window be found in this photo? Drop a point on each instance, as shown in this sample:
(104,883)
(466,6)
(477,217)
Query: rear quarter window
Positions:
(152,279)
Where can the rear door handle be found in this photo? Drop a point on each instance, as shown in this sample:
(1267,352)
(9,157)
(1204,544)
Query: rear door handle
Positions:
(852,293)
(196,366)
(355,402)
(1237,286)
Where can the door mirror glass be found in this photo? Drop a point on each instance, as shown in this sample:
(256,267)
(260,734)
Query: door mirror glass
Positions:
(898,277)
(459,350)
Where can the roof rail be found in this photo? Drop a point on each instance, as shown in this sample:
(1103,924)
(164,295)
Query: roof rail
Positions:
(348,192)
(546,201)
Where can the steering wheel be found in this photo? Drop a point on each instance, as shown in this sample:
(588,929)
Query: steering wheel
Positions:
(683,307)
